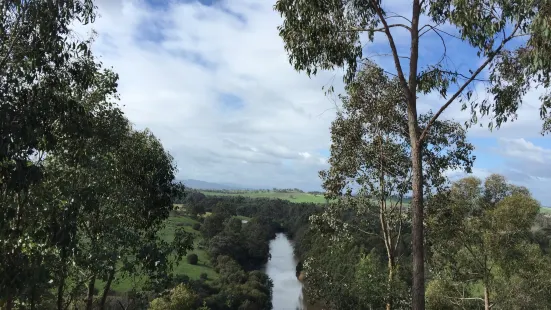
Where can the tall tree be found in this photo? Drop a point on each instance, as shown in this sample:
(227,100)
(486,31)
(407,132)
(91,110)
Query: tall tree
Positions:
(370,149)
(44,72)
(510,38)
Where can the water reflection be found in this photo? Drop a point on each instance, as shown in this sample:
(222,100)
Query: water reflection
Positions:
(287,290)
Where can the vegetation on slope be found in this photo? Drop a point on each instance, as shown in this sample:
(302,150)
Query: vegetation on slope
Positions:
(291,195)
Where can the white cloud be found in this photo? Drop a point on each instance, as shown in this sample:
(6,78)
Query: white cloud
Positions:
(524,150)
(456,174)
(215,85)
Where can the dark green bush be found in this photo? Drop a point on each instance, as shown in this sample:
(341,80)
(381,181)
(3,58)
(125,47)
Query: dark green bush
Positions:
(192,259)
(196,226)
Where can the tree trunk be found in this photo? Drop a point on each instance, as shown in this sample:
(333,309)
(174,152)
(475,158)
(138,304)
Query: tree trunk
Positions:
(486,298)
(391,265)
(418,290)
(9,303)
(90,298)
(33,296)
(60,288)
(106,288)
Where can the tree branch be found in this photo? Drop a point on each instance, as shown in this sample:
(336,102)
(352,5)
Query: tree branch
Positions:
(396,15)
(472,78)
(435,28)
(399,70)
(376,29)
(457,74)
(384,54)
(441,39)
(412,100)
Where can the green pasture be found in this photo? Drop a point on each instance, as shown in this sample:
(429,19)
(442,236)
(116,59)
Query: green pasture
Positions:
(292,196)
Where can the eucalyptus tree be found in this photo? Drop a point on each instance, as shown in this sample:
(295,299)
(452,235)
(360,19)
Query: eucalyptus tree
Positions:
(120,195)
(370,149)
(511,39)
(481,251)
(43,73)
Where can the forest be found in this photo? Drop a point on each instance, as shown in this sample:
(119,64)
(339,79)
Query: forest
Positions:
(92,216)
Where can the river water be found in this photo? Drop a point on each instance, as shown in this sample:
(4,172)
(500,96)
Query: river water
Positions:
(281,268)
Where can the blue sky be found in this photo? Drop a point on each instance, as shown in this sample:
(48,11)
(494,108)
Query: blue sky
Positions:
(213,82)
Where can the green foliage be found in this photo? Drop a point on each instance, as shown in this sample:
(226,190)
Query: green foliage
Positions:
(225,209)
(212,225)
(368,277)
(242,290)
(192,259)
(54,96)
(180,298)
(197,226)
(72,169)
(480,236)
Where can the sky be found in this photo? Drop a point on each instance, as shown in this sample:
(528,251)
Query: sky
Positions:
(213,82)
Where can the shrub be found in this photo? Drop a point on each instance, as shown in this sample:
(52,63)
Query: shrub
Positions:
(181,297)
(192,259)
(196,226)
(203,276)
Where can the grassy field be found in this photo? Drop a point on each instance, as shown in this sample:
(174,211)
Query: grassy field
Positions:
(293,197)
(183,268)
(545,210)
(192,271)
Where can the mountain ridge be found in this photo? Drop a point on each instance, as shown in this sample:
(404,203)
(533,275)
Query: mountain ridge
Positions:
(199,184)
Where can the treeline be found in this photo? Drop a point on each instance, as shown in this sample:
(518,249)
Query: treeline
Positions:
(248,191)
(278,214)
(83,194)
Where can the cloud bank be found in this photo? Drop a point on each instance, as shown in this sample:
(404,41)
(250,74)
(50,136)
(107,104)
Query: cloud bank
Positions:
(213,82)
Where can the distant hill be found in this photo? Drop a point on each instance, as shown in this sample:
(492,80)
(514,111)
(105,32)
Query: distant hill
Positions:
(198,184)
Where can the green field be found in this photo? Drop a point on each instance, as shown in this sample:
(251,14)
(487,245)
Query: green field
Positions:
(291,196)
(183,268)
(545,210)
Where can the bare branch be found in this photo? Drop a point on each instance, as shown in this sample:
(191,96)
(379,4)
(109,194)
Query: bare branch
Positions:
(385,54)
(396,15)
(413,63)
(377,29)
(472,78)
(435,28)
(441,39)
(121,305)
(360,230)
(399,70)
(459,75)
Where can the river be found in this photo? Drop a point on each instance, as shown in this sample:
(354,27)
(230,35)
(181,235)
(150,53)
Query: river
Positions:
(281,268)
